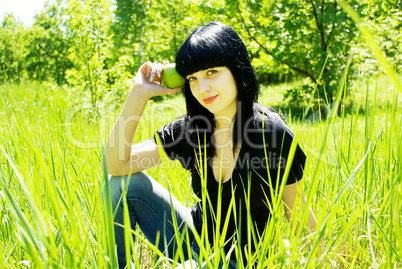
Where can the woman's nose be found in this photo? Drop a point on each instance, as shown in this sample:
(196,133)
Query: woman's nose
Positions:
(203,85)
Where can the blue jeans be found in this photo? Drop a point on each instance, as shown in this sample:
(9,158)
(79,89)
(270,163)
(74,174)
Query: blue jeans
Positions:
(150,206)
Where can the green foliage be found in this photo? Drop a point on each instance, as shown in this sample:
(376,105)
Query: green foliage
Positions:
(154,30)
(128,30)
(385,22)
(12,50)
(309,38)
(304,95)
(87,30)
(47,59)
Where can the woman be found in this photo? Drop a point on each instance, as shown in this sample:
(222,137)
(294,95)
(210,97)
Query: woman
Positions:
(236,149)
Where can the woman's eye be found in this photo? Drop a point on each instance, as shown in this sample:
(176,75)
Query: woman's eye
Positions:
(191,79)
(211,72)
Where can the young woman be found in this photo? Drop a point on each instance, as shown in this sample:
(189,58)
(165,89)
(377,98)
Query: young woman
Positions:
(236,150)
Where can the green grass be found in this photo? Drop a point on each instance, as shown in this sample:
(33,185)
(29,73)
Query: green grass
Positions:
(52,214)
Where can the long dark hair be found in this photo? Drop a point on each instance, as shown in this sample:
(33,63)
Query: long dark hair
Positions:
(215,45)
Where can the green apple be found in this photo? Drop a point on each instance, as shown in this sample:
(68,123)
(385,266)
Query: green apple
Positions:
(170,77)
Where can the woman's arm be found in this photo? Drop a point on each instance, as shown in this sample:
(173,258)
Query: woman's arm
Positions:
(292,212)
(289,198)
(122,157)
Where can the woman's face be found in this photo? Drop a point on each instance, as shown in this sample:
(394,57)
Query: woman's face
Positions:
(215,89)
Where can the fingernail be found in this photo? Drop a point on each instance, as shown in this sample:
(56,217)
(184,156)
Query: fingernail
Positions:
(149,72)
(159,71)
(152,77)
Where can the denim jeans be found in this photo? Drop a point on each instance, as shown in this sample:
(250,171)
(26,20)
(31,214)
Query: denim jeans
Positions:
(150,206)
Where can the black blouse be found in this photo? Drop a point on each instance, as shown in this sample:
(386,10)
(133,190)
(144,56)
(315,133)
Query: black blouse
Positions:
(257,174)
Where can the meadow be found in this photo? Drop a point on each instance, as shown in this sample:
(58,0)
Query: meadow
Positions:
(51,176)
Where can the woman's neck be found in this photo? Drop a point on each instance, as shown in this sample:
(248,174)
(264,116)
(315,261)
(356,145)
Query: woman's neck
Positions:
(224,123)
(226,117)
(225,120)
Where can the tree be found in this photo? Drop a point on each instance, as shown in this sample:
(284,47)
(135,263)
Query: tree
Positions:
(385,22)
(88,31)
(145,30)
(128,30)
(48,47)
(308,37)
(12,49)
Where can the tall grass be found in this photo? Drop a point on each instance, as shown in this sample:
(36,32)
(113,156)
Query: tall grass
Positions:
(52,214)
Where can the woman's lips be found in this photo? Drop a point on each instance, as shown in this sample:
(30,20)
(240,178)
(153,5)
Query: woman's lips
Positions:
(209,100)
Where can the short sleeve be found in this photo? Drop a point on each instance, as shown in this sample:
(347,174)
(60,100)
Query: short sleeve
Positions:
(173,139)
(273,140)
(299,158)
(282,145)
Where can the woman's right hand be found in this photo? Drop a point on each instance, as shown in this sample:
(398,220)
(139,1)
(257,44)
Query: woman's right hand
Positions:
(147,82)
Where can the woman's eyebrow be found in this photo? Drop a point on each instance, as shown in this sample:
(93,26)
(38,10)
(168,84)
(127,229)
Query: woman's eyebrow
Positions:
(192,75)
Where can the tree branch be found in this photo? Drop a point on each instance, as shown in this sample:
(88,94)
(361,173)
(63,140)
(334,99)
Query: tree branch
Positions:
(252,37)
(333,24)
(320,25)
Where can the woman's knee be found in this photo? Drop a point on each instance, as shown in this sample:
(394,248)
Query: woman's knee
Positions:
(134,183)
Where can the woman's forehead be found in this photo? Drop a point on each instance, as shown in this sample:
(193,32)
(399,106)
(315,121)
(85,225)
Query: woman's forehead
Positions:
(204,70)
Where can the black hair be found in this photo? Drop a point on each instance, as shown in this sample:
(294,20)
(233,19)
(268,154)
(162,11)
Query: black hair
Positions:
(215,45)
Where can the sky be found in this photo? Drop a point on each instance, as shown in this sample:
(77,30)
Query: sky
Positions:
(25,10)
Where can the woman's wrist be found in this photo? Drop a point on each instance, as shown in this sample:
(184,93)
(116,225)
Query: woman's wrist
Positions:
(137,100)
(139,93)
